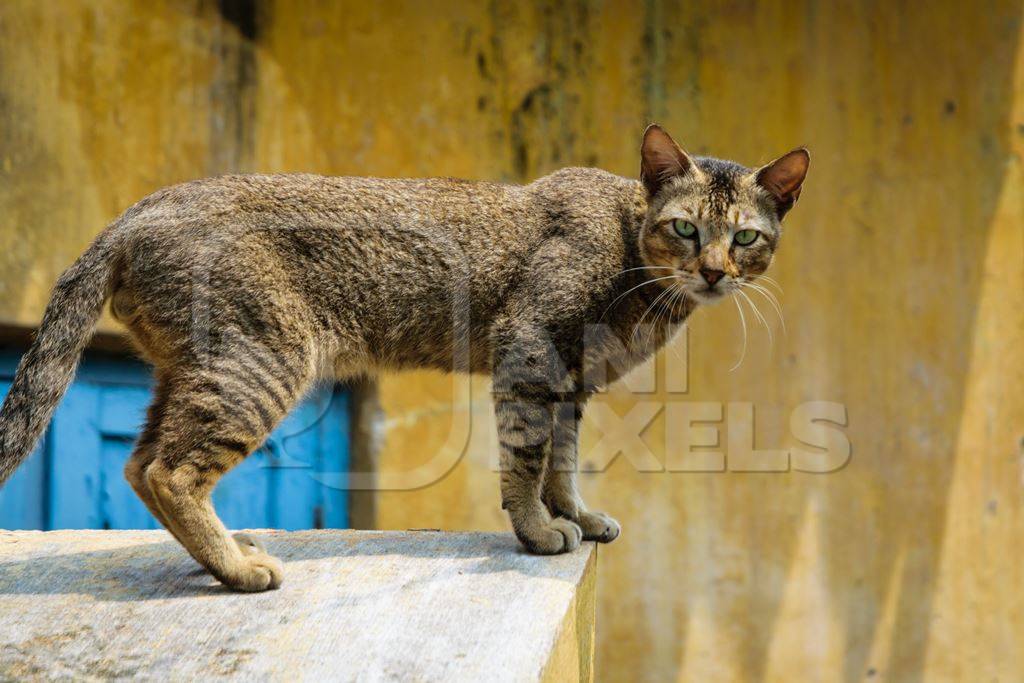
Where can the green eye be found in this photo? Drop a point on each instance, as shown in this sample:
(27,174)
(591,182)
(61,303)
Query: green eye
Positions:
(684,228)
(745,237)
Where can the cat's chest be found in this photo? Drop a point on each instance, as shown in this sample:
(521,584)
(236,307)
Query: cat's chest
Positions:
(611,352)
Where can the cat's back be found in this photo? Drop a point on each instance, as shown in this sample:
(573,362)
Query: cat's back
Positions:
(298,218)
(588,200)
(241,199)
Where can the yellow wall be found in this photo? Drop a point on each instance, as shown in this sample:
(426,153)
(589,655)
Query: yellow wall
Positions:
(903,271)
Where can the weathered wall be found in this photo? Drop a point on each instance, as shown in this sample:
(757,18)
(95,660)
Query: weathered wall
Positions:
(903,271)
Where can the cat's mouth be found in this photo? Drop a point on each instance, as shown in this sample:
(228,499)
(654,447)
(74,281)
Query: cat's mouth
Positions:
(701,291)
(707,294)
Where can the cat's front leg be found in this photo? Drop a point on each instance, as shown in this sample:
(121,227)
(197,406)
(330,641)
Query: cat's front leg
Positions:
(560,492)
(525,394)
(524,429)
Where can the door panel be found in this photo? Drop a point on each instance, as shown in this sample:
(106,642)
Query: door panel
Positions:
(75,478)
(23,499)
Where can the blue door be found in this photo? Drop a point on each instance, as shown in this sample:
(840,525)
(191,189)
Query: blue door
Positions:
(74,478)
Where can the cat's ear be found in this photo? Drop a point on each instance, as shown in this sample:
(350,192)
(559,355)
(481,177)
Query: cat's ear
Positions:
(661,159)
(784,177)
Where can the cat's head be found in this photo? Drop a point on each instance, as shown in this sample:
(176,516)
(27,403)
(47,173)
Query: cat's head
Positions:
(712,224)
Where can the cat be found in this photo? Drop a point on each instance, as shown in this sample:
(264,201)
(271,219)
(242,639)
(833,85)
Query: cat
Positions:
(242,291)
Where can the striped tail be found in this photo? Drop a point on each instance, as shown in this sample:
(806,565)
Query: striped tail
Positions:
(48,367)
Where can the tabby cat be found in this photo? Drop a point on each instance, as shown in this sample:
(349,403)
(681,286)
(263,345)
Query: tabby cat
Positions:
(243,291)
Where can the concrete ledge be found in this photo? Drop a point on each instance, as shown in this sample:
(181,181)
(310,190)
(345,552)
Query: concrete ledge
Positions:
(359,605)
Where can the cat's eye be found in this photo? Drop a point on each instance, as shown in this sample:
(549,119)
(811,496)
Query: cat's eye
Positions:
(684,228)
(745,237)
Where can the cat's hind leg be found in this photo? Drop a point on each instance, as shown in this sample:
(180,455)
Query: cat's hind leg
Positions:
(214,417)
(144,453)
(143,456)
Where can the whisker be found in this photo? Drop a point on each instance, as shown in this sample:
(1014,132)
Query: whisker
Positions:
(647,282)
(648,309)
(666,307)
(636,326)
(629,270)
(743,323)
(754,283)
(679,296)
(774,303)
(760,317)
(673,301)
(771,281)
(771,300)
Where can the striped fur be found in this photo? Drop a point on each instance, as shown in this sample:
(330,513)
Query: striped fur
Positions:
(243,291)
(49,366)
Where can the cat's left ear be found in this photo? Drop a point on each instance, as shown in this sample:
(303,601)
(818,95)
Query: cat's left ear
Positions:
(661,159)
(783,178)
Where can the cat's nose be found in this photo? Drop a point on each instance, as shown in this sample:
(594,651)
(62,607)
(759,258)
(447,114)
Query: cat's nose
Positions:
(711,276)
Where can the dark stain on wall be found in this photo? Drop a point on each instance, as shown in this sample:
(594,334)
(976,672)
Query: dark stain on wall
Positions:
(232,134)
(548,124)
(243,15)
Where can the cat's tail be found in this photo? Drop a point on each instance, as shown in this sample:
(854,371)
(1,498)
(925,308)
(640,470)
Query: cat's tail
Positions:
(48,367)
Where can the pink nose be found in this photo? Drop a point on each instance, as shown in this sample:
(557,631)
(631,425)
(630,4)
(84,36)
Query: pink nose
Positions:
(711,276)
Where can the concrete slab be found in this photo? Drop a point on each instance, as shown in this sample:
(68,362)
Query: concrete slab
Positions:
(355,605)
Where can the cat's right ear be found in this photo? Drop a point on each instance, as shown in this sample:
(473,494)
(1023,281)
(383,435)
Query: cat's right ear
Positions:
(661,159)
(784,177)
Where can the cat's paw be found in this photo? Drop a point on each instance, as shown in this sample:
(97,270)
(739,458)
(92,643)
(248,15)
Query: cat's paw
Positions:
(258,572)
(599,527)
(557,536)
